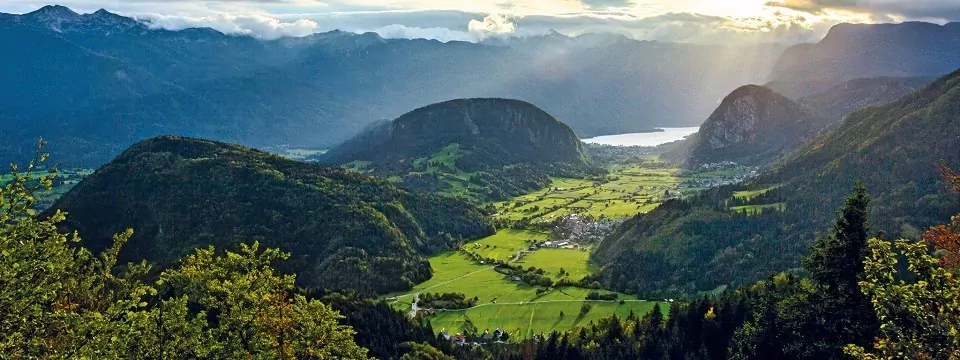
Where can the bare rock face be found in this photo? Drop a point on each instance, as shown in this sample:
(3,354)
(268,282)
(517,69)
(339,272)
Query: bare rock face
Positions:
(753,125)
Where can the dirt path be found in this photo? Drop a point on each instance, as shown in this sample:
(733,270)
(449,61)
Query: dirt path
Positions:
(543,302)
(414,294)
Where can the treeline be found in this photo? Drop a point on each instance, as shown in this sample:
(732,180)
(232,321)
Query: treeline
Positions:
(593,295)
(446,301)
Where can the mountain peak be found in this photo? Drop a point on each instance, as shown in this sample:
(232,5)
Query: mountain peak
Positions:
(752,125)
(54,14)
(59,10)
(104,13)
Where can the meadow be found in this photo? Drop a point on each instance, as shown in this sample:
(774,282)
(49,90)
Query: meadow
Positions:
(518,308)
(627,191)
(512,305)
(758,209)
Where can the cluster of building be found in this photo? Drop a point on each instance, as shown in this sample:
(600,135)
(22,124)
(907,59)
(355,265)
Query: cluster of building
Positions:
(555,244)
(461,339)
(576,229)
(718,165)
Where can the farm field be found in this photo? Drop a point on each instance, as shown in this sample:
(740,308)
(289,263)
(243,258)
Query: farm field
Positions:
(66,179)
(522,321)
(503,301)
(512,305)
(757,209)
(750,194)
(629,190)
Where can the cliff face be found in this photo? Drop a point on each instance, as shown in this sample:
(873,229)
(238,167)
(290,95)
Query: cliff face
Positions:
(753,125)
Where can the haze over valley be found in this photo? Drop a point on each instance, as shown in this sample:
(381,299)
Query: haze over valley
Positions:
(555,179)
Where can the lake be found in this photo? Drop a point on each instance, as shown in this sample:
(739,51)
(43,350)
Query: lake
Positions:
(644,139)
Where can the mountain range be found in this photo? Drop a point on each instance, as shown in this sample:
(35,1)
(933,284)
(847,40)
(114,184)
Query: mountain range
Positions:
(853,51)
(102,82)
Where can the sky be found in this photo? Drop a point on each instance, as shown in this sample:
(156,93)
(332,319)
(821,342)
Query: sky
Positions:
(689,21)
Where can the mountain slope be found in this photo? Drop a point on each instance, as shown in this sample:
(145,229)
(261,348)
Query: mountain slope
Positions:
(708,241)
(466,144)
(843,99)
(346,231)
(851,51)
(490,132)
(753,125)
(319,90)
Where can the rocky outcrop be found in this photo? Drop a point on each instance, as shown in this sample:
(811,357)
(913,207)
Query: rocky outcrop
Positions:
(753,125)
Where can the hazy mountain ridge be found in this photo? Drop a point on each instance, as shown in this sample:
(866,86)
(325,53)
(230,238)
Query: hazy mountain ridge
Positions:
(851,51)
(855,94)
(348,231)
(321,89)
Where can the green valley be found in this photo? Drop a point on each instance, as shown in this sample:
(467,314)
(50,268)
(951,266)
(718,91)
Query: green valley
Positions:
(543,233)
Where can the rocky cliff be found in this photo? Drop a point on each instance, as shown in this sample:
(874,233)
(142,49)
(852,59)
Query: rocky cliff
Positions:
(753,125)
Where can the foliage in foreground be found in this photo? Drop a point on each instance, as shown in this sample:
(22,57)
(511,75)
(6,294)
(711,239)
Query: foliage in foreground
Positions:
(58,300)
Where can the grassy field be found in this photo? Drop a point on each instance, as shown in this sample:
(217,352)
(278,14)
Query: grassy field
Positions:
(757,209)
(572,261)
(66,179)
(505,243)
(514,306)
(522,321)
(629,190)
(749,195)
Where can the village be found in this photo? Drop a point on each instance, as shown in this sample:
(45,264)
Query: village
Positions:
(497,336)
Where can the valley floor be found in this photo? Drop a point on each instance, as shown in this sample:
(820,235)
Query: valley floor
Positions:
(523,310)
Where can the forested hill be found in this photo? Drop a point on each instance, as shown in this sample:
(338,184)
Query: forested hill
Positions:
(753,125)
(345,230)
(724,236)
(491,132)
(489,147)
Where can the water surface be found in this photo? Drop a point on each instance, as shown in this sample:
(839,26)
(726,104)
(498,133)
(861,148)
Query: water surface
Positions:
(644,139)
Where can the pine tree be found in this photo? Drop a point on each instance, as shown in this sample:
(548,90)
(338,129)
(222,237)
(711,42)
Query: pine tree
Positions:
(836,263)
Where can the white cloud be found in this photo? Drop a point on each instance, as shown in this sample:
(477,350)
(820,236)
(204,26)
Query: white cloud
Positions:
(786,21)
(442,34)
(256,25)
(494,24)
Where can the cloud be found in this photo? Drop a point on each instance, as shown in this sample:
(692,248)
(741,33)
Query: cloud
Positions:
(785,21)
(495,24)
(813,6)
(461,26)
(606,4)
(442,34)
(260,26)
